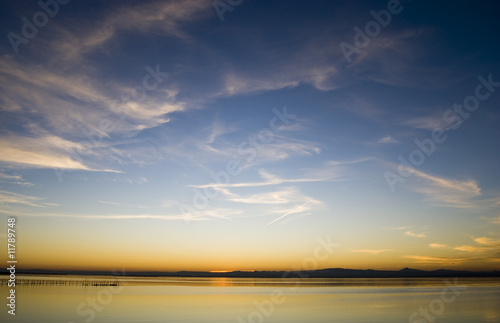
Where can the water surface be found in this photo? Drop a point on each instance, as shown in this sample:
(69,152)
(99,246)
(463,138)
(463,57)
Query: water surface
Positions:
(75,299)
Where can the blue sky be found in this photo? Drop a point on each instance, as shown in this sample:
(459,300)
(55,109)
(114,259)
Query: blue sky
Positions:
(157,135)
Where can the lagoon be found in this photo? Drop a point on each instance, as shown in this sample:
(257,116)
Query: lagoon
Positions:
(74,299)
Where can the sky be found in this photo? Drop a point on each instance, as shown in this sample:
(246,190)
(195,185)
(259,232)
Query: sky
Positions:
(250,135)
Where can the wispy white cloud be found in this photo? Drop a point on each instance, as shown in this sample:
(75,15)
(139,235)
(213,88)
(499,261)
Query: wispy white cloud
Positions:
(495,220)
(212,213)
(69,95)
(216,148)
(427,122)
(302,209)
(440,191)
(437,245)
(110,203)
(123,216)
(43,152)
(199,215)
(488,248)
(217,129)
(348,162)
(332,171)
(14,179)
(485,246)
(467,248)
(372,251)
(36,152)
(386,61)
(387,140)
(469,186)
(7,198)
(489,242)
(435,260)
(269,179)
(296,209)
(71,104)
(282,202)
(237,84)
(160,17)
(416,235)
(10,177)
(445,198)
(282,196)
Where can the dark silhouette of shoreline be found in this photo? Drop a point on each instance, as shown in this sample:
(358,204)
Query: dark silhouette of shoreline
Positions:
(322,273)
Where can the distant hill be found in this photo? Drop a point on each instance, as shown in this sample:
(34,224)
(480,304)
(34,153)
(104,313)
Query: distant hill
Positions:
(322,273)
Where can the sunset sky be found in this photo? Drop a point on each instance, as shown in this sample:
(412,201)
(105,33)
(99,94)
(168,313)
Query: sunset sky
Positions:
(183,135)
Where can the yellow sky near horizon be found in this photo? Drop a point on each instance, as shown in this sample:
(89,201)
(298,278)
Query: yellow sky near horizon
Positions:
(98,250)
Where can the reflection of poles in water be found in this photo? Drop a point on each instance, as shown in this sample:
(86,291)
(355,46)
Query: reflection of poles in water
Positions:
(47,282)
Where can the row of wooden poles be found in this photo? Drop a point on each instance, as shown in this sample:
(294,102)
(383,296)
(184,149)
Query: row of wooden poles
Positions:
(47,282)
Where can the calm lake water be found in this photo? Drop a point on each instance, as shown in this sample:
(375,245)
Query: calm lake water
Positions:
(131,299)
